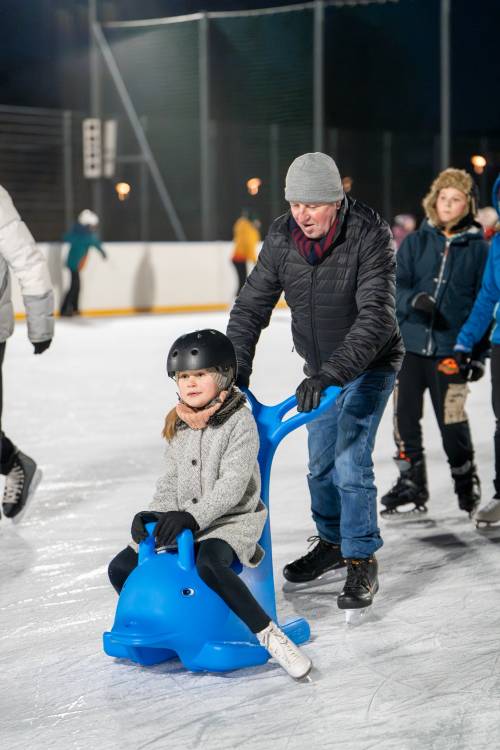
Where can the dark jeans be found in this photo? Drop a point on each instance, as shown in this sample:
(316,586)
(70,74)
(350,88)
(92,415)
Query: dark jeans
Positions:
(241,270)
(214,558)
(7,449)
(70,304)
(341,478)
(495,397)
(448,395)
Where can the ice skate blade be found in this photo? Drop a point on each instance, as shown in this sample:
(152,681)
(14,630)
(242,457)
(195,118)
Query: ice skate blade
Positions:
(484,524)
(404,515)
(356,617)
(331,576)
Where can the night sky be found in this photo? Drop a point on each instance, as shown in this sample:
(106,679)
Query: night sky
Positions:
(382,62)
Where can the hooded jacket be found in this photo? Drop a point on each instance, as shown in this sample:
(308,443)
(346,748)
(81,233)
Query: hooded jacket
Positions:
(19,252)
(343,309)
(450,270)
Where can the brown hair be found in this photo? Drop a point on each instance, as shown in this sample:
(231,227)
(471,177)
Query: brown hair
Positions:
(170,426)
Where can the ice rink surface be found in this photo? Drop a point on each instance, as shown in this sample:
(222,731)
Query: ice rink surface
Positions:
(423,673)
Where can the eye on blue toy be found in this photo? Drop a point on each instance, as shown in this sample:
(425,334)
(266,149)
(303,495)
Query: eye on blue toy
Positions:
(166,611)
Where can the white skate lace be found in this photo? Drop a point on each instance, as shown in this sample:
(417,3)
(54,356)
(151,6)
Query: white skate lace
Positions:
(14,482)
(287,646)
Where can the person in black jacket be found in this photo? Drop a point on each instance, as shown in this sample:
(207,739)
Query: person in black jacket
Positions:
(439,273)
(334,259)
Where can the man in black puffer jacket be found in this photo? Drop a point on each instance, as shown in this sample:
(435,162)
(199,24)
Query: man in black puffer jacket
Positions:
(334,259)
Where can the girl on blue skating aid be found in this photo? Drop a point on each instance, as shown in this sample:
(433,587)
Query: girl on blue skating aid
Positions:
(211,486)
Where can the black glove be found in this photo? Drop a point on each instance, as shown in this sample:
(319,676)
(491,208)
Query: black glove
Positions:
(243,379)
(309,391)
(424,302)
(476,370)
(138,530)
(470,369)
(171,524)
(41,346)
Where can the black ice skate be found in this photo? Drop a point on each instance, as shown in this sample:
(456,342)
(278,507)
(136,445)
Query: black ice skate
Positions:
(323,563)
(21,480)
(409,489)
(360,587)
(467,487)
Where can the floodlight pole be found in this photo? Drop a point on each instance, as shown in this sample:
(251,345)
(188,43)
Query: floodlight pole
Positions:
(318,76)
(445,83)
(95,101)
(204,104)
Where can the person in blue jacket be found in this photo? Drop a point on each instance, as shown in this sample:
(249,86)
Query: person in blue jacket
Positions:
(81,237)
(439,273)
(485,309)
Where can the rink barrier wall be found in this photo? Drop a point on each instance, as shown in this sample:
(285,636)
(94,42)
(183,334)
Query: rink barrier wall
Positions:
(138,277)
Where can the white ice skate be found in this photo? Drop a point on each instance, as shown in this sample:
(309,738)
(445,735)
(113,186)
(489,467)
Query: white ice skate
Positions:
(285,651)
(488,514)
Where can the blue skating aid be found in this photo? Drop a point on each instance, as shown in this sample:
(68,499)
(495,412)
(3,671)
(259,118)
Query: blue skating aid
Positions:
(165,610)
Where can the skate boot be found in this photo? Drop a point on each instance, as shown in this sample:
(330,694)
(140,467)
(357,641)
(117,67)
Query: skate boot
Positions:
(324,562)
(410,488)
(489,513)
(359,589)
(21,480)
(286,652)
(467,487)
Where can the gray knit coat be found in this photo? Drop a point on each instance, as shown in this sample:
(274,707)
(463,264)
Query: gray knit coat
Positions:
(214,475)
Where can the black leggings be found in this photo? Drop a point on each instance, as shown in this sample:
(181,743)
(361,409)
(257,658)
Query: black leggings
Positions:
(213,562)
(70,304)
(448,394)
(495,397)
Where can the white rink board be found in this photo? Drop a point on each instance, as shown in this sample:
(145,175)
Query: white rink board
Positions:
(142,275)
(422,674)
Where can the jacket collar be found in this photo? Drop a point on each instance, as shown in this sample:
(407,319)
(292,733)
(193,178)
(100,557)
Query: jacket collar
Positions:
(473,231)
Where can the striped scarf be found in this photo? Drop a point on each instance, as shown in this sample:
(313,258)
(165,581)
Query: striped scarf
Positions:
(312,250)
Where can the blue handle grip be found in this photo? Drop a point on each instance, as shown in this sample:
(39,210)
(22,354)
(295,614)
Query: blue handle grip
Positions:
(270,418)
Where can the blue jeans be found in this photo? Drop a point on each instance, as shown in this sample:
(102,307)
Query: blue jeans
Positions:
(341,478)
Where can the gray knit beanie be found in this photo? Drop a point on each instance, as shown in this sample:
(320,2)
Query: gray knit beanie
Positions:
(313,178)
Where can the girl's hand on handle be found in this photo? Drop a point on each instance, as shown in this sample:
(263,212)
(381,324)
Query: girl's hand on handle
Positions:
(138,530)
(171,524)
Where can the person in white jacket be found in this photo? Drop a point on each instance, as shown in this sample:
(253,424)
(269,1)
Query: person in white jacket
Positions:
(19,253)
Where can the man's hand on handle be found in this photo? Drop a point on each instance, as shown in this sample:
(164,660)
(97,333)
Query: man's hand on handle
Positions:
(309,391)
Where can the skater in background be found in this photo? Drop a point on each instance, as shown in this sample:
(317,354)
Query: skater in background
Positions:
(334,259)
(404,224)
(81,237)
(246,237)
(212,447)
(486,306)
(439,274)
(19,253)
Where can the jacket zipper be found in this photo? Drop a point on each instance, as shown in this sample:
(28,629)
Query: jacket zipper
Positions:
(437,288)
(313,328)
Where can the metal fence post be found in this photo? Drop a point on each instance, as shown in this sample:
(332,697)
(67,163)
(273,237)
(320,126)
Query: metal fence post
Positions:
(69,205)
(387,175)
(318,75)
(274,135)
(204,93)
